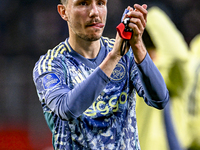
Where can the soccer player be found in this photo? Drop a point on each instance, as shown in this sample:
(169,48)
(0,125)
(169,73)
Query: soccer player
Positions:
(194,94)
(169,52)
(87,89)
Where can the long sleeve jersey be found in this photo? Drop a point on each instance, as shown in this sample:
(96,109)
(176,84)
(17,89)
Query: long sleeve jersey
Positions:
(84,108)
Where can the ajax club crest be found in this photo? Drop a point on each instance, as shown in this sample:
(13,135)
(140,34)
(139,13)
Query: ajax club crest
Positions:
(118,73)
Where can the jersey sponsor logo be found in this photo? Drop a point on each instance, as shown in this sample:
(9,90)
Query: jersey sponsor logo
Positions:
(119,73)
(103,108)
(50,80)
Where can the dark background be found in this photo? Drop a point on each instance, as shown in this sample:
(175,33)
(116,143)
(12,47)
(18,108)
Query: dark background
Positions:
(28,28)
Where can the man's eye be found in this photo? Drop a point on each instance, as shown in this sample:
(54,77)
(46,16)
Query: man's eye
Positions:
(100,3)
(83,3)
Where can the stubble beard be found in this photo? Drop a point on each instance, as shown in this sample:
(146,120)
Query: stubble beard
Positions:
(87,37)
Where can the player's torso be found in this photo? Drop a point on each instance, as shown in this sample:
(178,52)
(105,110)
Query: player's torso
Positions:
(110,122)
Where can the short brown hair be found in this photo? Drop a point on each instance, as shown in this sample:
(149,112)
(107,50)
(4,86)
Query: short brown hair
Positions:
(63,1)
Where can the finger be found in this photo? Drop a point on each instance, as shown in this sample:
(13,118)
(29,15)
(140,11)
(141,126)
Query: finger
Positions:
(145,15)
(142,9)
(130,8)
(135,28)
(144,6)
(139,15)
(138,23)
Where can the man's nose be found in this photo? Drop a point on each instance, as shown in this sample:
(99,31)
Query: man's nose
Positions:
(94,10)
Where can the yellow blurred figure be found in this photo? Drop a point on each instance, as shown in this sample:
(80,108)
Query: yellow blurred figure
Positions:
(194,93)
(171,58)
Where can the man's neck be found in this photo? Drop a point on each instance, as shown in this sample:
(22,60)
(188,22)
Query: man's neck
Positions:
(88,49)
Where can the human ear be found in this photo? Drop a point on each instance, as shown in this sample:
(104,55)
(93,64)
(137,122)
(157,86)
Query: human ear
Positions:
(62,11)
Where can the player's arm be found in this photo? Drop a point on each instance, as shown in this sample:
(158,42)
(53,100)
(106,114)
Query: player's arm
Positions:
(151,85)
(138,19)
(113,57)
(64,101)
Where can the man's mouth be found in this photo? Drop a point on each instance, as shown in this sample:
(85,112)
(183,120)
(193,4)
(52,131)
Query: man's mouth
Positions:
(96,25)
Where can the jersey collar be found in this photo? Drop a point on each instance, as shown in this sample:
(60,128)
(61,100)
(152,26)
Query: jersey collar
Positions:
(92,63)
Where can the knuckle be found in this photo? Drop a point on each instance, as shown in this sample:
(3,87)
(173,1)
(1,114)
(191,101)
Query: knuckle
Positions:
(138,21)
